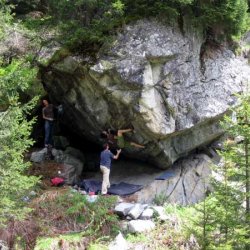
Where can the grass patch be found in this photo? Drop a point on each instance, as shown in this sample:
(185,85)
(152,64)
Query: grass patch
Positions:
(135,238)
(64,213)
(160,199)
(70,211)
(38,23)
(97,247)
(70,239)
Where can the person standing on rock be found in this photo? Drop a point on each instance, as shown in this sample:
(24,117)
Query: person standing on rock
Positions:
(116,139)
(48,116)
(105,166)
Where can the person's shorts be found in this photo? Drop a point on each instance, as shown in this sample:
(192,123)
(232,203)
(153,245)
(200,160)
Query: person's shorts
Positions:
(121,143)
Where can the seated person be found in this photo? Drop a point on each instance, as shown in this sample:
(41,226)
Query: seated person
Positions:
(116,139)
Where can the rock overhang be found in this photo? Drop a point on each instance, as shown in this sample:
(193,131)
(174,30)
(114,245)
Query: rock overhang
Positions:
(154,78)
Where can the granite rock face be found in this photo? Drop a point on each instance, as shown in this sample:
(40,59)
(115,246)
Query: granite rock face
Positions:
(165,82)
(188,185)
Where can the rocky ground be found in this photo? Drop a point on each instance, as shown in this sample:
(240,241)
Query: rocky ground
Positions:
(141,226)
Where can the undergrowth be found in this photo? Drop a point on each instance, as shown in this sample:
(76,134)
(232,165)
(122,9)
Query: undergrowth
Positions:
(63,218)
(71,212)
(174,233)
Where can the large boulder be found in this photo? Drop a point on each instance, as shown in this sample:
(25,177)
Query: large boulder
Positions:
(171,85)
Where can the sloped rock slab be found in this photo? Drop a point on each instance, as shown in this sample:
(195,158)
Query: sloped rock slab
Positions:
(187,186)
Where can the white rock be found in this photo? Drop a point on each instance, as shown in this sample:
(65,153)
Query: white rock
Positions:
(119,243)
(163,217)
(139,226)
(3,245)
(161,213)
(123,208)
(147,214)
(136,211)
(159,210)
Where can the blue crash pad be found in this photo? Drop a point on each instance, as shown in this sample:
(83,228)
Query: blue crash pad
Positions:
(124,188)
(165,175)
(119,189)
(91,185)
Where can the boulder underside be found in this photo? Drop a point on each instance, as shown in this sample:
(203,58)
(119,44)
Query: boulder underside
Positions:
(153,77)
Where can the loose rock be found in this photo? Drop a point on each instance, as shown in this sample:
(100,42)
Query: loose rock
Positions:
(136,211)
(123,208)
(119,243)
(139,226)
(147,214)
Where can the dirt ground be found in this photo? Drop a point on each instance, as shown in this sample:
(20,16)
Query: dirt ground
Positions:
(129,171)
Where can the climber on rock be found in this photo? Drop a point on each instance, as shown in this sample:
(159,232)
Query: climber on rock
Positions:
(116,139)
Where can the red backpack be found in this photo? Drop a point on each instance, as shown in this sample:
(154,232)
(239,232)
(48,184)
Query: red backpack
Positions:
(57,181)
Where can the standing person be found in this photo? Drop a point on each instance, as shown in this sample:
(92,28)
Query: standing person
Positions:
(105,166)
(48,116)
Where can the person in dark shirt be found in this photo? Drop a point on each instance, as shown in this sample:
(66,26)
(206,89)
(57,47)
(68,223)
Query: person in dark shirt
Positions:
(48,116)
(116,139)
(105,166)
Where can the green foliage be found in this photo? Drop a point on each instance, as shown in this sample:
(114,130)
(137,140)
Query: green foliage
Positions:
(87,23)
(74,240)
(137,238)
(178,228)
(14,141)
(98,247)
(228,15)
(85,20)
(160,199)
(174,233)
(15,79)
(76,213)
(66,216)
(5,17)
(224,219)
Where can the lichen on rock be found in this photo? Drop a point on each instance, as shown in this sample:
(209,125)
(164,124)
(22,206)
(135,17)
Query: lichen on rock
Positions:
(156,78)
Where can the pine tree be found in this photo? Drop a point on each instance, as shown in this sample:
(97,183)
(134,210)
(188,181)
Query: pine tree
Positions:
(225,212)
(15,77)
(14,141)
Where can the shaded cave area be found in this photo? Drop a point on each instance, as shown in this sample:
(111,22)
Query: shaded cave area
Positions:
(183,185)
(124,169)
